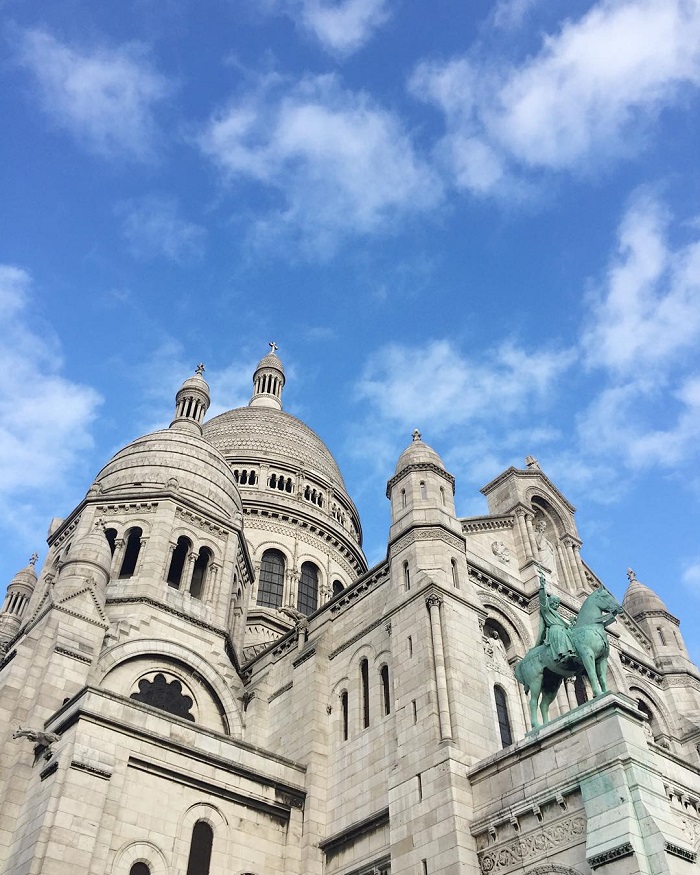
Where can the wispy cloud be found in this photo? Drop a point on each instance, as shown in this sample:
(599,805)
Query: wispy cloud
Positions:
(585,97)
(154,227)
(343,165)
(341,27)
(45,418)
(104,97)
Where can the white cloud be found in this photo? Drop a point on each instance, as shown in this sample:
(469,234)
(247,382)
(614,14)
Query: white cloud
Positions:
(649,309)
(104,97)
(154,227)
(45,418)
(435,386)
(342,164)
(340,26)
(585,96)
(691,576)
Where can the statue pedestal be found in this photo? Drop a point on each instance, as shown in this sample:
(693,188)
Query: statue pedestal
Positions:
(583,792)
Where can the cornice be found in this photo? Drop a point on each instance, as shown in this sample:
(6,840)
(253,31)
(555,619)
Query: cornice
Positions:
(422,466)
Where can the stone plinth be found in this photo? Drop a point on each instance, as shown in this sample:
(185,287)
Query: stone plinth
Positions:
(583,792)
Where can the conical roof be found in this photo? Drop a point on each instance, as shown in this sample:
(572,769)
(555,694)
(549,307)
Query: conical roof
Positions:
(639,598)
(418,453)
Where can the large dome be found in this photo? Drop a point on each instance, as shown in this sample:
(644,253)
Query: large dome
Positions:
(175,461)
(270,434)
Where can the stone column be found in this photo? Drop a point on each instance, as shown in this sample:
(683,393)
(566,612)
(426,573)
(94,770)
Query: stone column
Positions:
(522,532)
(570,694)
(434,602)
(565,567)
(186,580)
(534,551)
(578,564)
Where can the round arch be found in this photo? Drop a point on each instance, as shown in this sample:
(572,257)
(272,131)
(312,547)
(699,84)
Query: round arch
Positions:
(140,852)
(159,651)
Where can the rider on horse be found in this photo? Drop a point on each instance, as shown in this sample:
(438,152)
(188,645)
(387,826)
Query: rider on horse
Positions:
(554,629)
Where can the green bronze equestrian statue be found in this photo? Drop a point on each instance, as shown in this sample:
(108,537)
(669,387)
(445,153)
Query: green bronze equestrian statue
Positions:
(566,649)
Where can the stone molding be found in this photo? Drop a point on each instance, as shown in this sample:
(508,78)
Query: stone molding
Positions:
(201,522)
(623,850)
(73,654)
(678,851)
(334,843)
(280,692)
(632,664)
(553,837)
(424,532)
(353,592)
(471,525)
(422,466)
(484,579)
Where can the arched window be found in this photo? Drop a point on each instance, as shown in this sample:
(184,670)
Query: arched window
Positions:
(442,495)
(344,713)
(177,561)
(406,576)
(662,637)
(364,676)
(403,498)
(337,587)
(386,693)
(307,598)
(199,572)
(502,714)
(111,535)
(200,849)
(423,491)
(139,868)
(455,574)
(271,583)
(131,554)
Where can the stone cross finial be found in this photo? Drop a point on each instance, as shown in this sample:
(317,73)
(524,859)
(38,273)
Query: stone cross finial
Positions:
(273,346)
(631,575)
(33,558)
(100,524)
(532,463)
(416,435)
(199,370)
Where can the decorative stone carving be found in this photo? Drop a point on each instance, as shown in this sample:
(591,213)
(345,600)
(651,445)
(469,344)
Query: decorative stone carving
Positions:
(536,844)
(500,551)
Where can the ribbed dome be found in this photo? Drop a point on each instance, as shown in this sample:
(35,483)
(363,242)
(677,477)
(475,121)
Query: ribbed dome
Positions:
(92,548)
(270,361)
(268,434)
(176,461)
(25,577)
(418,453)
(640,598)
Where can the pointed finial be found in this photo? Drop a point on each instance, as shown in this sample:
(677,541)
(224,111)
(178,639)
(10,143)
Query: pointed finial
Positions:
(199,370)
(631,575)
(532,463)
(416,434)
(33,558)
(273,347)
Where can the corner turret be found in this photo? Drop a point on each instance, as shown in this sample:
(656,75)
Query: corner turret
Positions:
(18,594)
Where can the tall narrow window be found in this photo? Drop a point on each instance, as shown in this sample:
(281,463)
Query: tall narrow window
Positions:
(364,676)
(386,693)
(455,574)
(131,554)
(406,576)
(271,584)
(307,597)
(503,718)
(442,495)
(139,869)
(337,587)
(199,572)
(403,498)
(344,713)
(423,491)
(580,690)
(111,535)
(662,637)
(177,561)
(200,849)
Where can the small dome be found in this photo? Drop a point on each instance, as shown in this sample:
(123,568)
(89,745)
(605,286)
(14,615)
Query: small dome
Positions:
(418,453)
(27,575)
(172,461)
(639,599)
(270,361)
(92,548)
(196,381)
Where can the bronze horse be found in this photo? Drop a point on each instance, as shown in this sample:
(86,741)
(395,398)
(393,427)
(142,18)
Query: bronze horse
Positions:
(541,673)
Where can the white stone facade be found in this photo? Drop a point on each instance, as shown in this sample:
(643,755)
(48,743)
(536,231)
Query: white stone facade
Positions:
(168,708)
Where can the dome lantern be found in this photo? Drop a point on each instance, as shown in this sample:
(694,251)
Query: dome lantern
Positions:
(191,403)
(268,381)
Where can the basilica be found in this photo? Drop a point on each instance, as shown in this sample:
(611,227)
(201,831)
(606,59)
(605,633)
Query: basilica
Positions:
(205,678)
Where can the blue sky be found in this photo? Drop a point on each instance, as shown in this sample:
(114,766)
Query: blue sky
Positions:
(478,219)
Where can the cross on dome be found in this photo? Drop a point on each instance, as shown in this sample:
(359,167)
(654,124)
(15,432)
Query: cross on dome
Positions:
(33,558)
(199,370)
(273,347)
(416,434)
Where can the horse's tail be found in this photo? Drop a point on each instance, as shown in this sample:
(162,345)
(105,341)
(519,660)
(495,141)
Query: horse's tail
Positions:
(519,676)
